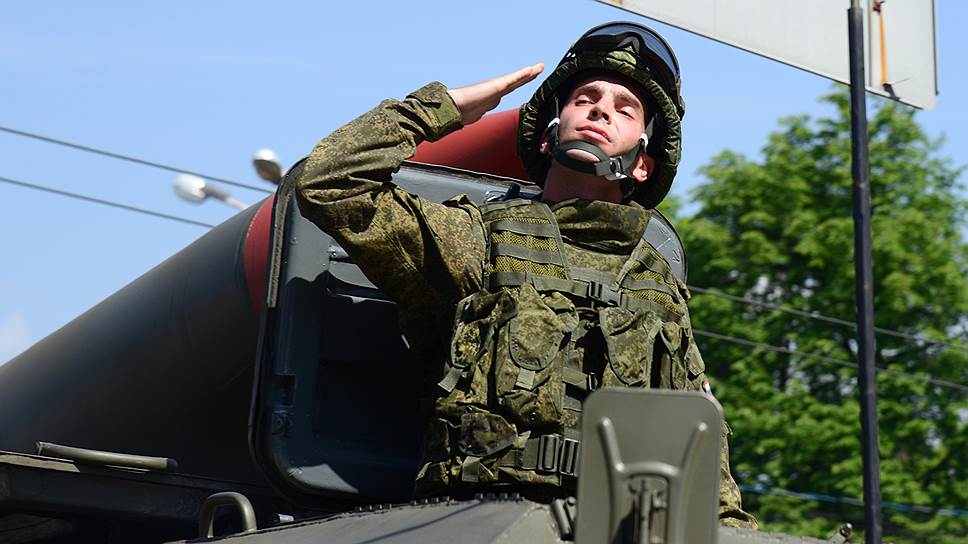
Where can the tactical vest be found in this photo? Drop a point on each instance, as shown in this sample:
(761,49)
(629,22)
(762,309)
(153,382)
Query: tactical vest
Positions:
(536,341)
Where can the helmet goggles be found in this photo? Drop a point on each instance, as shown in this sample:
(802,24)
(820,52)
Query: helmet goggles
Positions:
(644,43)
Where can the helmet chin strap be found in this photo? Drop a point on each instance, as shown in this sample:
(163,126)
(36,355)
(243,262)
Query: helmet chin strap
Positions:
(611,168)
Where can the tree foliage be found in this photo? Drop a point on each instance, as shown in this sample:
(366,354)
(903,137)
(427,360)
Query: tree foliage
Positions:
(780,230)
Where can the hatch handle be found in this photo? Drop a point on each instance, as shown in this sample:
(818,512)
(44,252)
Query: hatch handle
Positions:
(206,519)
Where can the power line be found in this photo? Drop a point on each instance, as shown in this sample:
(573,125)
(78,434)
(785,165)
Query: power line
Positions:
(824,358)
(821,317)
(762,490)
(697,332)
(802,313)
(701,290)
(105,202)
(129,158)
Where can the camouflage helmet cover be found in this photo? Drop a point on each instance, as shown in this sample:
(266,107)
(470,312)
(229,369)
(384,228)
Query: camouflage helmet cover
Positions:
(665,145)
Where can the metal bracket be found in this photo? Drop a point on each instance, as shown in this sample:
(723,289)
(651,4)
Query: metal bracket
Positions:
(842,536)
(565,512)
(652,484)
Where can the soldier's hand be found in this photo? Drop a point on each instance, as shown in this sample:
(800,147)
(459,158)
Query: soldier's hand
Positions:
(475,100)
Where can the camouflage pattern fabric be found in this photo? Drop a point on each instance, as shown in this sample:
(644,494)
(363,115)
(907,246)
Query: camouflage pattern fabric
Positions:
(429,257)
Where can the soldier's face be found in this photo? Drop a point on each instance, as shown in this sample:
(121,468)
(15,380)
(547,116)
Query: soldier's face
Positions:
(606,112)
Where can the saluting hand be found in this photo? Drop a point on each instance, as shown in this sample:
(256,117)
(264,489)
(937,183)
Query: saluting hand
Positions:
(475,100)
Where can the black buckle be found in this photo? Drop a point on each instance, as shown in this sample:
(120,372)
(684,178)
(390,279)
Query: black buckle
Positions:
(602,293)
(595,290)
(558,454)
(613,298)
(549,452)
(592,382)
(570,453)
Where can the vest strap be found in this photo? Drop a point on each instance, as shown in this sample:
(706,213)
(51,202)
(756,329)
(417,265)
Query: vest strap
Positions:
(540,283)
(549,453)
(545,230)
(470,469)
(528,254)
(584,289)
(503,205)
(647,256)
(636,285)
(525,379)
(449,382)
(590,274)
(578,379)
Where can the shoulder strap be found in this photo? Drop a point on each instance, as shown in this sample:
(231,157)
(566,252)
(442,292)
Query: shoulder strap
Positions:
(523,240)
(647,276)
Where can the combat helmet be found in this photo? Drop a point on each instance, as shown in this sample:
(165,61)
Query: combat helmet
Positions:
(633,52)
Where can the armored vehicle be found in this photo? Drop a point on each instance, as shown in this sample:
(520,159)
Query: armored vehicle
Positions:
(229,394)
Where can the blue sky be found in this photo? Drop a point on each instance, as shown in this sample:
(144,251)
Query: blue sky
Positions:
(203,85)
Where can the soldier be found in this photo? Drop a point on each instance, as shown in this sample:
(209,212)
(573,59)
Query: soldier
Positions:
(528,305)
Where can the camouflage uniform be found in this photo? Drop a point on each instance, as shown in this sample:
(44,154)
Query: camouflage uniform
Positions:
(429,257)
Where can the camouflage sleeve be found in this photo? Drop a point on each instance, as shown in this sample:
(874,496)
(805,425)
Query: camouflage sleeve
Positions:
(731,513)
(424,255)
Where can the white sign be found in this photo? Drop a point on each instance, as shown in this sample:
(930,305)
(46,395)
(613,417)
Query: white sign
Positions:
(812,35)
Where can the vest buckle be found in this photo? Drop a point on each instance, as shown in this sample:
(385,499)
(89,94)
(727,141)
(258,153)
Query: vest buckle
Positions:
(595,290)
(603,293)
(549,452)
(570,451)
(592,382)
(558,454)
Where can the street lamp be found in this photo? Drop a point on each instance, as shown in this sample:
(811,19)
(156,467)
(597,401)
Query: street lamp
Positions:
(266,164)
(195,189)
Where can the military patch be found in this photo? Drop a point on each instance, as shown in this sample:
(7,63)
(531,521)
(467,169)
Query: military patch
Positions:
(708,390)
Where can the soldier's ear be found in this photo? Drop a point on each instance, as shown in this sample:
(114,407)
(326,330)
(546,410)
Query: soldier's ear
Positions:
(643,166)
(544,147)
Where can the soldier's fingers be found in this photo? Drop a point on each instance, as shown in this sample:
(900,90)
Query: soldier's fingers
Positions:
(512,81)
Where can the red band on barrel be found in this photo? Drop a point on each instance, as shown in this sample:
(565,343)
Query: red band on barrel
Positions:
(255,254)
(488,146)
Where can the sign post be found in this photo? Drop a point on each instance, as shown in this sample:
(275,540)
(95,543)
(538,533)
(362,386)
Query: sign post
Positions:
(903,67)
(864,276)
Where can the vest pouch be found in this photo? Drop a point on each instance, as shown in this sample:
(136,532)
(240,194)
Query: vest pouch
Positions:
(483,434)
(484,437)
(695,366)
(674,343)
(630,339)
(527,384)
(479,317)
(436,472)
(536,332)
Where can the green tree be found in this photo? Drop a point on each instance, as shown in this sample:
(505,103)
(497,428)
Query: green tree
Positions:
(780,230)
